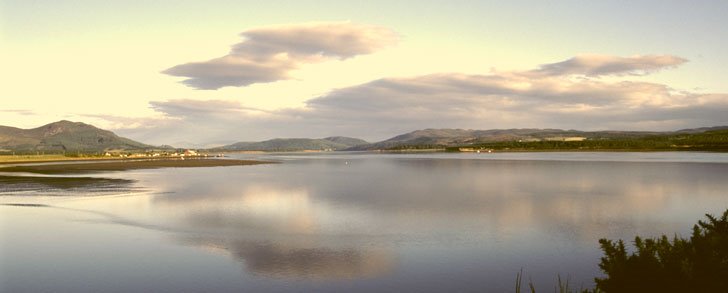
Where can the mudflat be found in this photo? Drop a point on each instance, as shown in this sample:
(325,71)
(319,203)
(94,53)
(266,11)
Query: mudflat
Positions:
(7,159)
(123,165)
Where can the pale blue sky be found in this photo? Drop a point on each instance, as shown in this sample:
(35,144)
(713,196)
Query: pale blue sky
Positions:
(50,47)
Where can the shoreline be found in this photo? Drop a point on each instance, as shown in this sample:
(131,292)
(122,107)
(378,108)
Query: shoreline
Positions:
(31,159)
(21,160)
(25,159)
(93,166)
(485,151)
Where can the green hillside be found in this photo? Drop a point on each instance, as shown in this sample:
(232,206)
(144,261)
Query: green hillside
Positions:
(707,138)
(715,140)
(63,136)
(295,144)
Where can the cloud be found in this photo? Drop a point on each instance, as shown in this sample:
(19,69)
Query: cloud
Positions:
(23,112)
(185,108)
(386,107)
(268,54)
(284,262)
(598,65)
(194,123)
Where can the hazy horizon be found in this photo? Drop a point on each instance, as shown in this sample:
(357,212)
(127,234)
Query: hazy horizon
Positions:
(167,72)
(208,144)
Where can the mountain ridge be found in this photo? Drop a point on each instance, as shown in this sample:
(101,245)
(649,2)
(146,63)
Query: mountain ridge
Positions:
(448,137)
(295,144)
(62,136)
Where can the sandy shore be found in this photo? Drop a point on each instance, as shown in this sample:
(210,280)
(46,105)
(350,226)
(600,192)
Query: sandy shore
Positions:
(92,166)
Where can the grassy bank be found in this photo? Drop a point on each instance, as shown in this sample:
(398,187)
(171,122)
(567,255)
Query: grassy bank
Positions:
(11,159)
(123,165)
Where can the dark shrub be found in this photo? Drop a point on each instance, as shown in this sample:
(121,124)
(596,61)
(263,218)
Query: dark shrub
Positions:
(698,264)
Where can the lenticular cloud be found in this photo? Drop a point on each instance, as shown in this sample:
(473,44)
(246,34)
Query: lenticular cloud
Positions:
(268,54)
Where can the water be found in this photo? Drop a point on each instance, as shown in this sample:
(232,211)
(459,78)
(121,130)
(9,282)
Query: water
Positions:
(332,222)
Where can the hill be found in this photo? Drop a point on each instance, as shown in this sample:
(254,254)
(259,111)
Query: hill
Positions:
(64,136)
(295,144)
(526,138)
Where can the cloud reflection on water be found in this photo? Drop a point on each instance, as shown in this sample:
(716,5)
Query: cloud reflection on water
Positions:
(432,221)
(410,197)
(277,232)
(279,260)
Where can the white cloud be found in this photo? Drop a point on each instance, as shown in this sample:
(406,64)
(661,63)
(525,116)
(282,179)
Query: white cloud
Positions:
(23,112)
(386,107)
(597,65)
(268,54)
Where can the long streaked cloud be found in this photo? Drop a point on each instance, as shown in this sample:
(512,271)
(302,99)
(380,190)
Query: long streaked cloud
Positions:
(385,107)
(598,65)
(186,108)
(23,112)
(268,54)
(515,100)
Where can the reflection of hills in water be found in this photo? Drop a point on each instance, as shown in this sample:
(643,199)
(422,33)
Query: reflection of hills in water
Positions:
(58,186)
(310,262)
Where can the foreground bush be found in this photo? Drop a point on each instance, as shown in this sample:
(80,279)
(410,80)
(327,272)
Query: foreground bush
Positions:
(698,264)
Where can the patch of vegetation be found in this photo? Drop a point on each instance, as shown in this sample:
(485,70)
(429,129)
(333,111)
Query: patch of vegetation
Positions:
(417,147)
(63,137)
(695,264)
(563,286)
(706,141)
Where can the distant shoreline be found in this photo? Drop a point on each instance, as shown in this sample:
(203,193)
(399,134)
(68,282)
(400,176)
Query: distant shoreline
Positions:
(25,159)
(92,165)
(485,150)
(22,159)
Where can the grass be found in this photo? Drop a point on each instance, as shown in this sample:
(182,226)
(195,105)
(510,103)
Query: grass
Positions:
(562,286)
(40,158)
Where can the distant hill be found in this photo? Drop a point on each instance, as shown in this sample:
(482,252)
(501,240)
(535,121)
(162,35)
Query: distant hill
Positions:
(443,138)
(64,136)
(295,144)
(702,129)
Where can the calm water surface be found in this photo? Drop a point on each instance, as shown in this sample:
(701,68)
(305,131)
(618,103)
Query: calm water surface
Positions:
(349,221)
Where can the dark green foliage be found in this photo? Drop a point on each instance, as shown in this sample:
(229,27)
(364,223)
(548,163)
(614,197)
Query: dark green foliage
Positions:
(707,138)
(716,140)
(697,264)
(417,147)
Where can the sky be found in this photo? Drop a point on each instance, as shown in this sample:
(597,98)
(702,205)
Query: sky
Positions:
(208,73)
